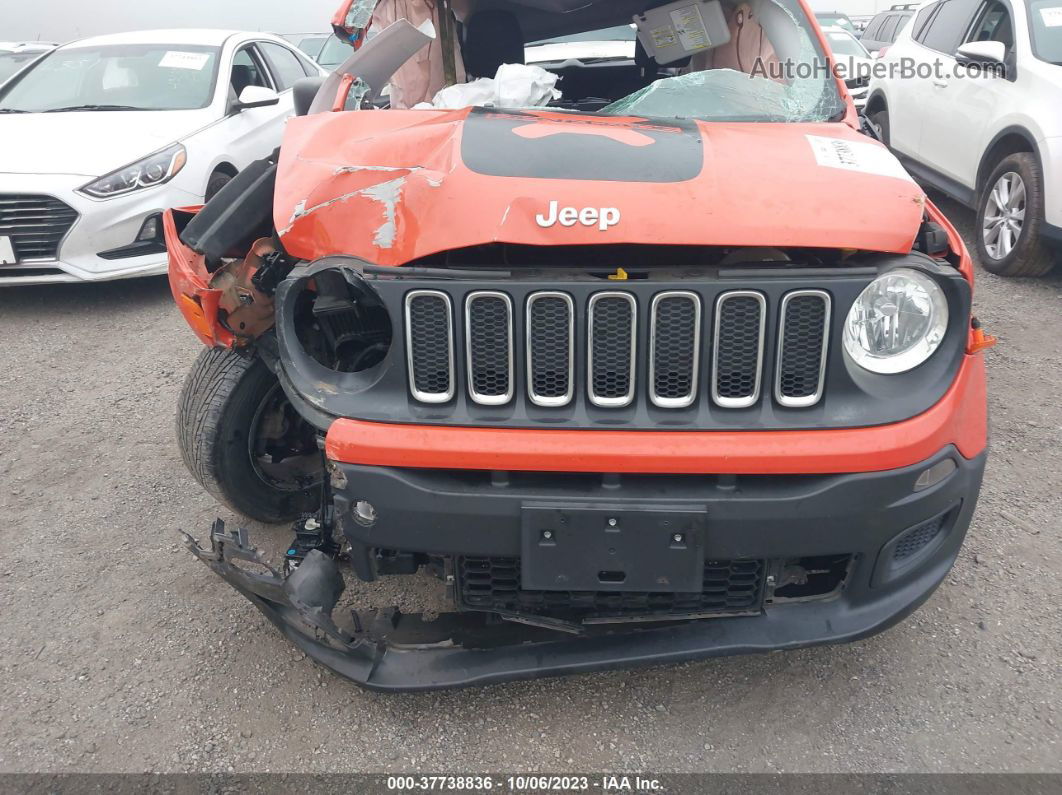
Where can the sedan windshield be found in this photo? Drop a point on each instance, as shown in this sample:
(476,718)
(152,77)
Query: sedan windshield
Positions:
(1045,23)
(843,43)
(117,77)
(11,62)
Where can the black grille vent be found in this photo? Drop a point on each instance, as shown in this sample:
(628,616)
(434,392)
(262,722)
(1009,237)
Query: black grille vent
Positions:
(36,225)
(734,586)
(805,318)
(918,538)
(429,327)
(490,348)
(739,328)
(550,318)
(676,349)
(612,348)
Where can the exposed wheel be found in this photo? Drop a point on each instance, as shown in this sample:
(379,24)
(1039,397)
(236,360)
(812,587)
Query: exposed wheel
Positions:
(244,442)
(880,120)
(1009,213)
(217,181)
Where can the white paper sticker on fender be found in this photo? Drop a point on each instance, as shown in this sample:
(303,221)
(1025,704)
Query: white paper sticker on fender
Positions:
(866,158)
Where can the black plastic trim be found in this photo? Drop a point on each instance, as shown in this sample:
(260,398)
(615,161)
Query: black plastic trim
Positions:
(852,397)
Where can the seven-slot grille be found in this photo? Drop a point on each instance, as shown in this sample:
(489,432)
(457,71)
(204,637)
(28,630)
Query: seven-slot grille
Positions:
(554,333)
(36,225)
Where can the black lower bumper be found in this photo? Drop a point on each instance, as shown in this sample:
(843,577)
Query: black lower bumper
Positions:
(865,516)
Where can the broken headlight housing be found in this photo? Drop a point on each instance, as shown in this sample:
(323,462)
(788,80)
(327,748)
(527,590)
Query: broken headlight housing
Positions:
(897,322)
(153,170)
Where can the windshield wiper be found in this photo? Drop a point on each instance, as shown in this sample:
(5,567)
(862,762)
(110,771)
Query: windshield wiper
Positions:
(13,110)
(76,108)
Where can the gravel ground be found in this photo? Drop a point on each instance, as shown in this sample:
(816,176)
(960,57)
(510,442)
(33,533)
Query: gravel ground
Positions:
(121,653)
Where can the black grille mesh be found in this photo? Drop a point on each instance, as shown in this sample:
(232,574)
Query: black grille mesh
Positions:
(800,364)
(550,326)
(918,538)
(489,329)
(674,343)
(737,363)
(611,341)
(729,586)
(36,225)
(430,331)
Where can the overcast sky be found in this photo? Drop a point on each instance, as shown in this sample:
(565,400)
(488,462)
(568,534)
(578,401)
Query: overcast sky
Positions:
(62,20)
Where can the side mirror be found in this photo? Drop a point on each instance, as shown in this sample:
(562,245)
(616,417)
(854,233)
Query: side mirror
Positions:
(304,92)
(256,97)
(982,52)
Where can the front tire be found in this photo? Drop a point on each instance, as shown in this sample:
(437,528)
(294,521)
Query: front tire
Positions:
(880,120)
(217,181)
(1009,213)
(243,441)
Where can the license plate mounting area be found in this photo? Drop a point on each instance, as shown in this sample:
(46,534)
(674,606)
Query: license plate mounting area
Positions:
(598,547)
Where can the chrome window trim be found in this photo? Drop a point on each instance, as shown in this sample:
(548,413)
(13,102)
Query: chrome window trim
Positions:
(750,400)
(489,400)
(626,400)
(683,402)
(811,400)
(430,397)
(564,400)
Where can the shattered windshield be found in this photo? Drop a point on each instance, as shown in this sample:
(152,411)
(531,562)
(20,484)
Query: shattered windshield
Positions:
(766,66)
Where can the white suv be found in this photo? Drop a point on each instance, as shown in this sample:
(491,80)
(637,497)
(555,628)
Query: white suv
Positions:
(991,140)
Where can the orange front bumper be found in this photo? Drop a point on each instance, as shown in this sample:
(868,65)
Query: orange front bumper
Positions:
(959,419)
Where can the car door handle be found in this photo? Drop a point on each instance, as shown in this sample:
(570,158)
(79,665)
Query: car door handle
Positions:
(940,83)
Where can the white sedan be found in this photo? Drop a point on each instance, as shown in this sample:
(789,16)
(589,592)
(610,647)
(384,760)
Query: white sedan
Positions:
(102,135)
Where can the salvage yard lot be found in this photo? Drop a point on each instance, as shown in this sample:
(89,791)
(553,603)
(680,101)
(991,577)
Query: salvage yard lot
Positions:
(121,653)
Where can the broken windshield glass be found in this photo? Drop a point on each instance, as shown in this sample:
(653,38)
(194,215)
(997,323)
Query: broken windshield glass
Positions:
(772,68)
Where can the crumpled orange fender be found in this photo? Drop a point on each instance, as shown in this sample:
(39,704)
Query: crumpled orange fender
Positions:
(190,285)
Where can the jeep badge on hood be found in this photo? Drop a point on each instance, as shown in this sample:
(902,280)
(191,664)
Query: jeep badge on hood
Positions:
(588,216)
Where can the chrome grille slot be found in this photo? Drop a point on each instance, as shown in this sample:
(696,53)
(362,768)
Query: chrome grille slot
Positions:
(612,345)
(737,352)
(550,349)
(430,345)
(803,340)
(675,349)
(489,338)
(36,225)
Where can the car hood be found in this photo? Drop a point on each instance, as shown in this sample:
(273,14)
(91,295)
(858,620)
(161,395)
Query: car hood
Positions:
(392,187)
(86,143)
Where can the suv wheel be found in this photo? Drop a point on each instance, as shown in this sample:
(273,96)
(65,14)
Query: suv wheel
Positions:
(880,121)
(1009,213)
(244,442)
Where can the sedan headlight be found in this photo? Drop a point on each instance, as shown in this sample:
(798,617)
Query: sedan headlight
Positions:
(897,322)
(152,170)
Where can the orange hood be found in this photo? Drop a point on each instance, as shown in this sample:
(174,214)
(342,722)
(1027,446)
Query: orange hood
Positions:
(392,186)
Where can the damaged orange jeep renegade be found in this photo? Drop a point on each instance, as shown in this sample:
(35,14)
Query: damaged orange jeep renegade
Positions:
(671,362)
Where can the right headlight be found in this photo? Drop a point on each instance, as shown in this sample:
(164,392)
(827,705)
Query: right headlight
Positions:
(897,322)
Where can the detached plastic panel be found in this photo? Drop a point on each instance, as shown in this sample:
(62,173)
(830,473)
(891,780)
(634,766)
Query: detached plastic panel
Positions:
(678,30)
